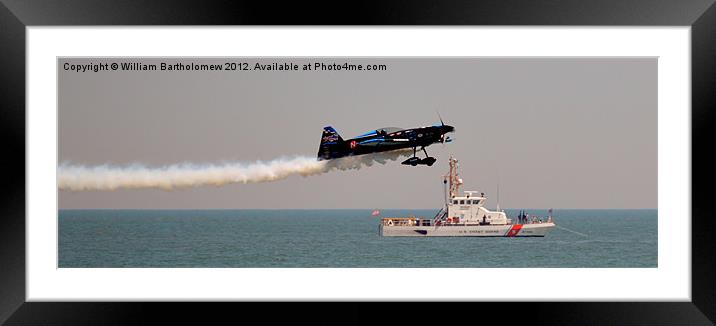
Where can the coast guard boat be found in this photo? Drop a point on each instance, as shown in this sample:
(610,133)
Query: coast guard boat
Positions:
(466,216)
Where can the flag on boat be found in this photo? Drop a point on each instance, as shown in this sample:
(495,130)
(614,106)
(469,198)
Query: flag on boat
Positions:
(375,213)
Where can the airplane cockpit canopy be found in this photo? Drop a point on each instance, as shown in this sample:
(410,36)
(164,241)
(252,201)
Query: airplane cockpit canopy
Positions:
(387,130)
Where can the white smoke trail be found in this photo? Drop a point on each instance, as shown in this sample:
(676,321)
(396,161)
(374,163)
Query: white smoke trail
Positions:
(106,177)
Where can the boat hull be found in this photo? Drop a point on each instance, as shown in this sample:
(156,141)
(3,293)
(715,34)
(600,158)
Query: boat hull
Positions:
(509,230)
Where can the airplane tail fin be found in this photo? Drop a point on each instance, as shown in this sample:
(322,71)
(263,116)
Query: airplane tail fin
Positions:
(329,141)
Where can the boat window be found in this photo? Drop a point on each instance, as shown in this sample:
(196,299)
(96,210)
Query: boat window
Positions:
(462,202)
(477,201)
(454,201)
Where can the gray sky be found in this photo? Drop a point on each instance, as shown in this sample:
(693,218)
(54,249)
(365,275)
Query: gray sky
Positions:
(553,132)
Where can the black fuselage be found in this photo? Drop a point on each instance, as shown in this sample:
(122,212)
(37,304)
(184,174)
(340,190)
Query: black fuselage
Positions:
(380,140)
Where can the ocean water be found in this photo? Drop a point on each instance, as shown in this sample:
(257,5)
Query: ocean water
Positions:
(341,239)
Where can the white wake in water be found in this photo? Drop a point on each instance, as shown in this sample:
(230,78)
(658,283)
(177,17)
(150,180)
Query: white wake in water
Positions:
(185,175)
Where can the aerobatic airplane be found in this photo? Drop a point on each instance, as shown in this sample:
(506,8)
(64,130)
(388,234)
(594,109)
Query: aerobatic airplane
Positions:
(383,140)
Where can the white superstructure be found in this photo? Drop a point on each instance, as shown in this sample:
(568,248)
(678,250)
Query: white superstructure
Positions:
(466,215)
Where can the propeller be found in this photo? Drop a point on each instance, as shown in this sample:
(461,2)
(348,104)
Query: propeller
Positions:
(442,137)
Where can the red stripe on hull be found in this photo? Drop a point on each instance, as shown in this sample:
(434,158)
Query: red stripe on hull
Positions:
(514,230)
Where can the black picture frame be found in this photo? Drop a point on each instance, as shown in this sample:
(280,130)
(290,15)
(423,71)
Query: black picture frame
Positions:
(16,15)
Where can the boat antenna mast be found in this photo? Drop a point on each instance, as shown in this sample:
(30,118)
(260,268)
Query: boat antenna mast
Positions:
(452,179)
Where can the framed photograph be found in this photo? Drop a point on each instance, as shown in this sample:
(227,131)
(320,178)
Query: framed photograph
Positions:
(548,163)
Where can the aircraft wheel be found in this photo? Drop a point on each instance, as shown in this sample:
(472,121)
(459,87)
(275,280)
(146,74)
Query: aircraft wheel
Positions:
(429,161)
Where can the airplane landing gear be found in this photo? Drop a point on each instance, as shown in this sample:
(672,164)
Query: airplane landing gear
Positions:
(414,161)
(429,161)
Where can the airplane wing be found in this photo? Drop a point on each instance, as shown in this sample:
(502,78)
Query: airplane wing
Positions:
(382,141)
(372,142)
